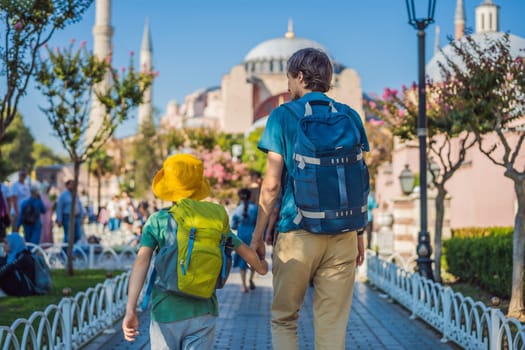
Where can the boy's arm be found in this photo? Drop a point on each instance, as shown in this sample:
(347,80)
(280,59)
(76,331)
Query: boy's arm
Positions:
(251,257)
(138,274)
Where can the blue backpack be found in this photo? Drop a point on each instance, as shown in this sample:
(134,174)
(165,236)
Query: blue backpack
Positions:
(330,178)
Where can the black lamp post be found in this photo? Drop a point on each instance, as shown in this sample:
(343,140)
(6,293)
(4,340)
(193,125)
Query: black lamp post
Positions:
(424,250)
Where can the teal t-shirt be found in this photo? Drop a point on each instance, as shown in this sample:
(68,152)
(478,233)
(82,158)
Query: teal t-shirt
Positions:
(279,137)
(169,307)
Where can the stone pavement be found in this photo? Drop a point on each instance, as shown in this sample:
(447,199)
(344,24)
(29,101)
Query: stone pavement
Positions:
(244,322)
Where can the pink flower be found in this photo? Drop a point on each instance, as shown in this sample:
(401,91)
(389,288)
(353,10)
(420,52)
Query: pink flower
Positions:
(18,25)
(372,104)
(83,44)
(131,53)
(156,73)
(401,113)
(122,69)
(72,41)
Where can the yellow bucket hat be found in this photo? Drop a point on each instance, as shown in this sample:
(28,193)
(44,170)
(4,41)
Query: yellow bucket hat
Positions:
(181,176)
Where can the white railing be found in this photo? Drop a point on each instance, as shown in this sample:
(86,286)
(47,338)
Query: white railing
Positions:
(87,256)
(73,322)
(460,319)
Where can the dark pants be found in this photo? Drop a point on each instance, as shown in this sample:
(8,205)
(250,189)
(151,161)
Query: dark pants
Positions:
(65,223)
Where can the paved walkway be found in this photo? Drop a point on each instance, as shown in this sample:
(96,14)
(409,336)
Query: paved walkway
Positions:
(375,322)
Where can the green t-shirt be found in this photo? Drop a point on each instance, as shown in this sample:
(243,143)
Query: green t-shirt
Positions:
(169,307)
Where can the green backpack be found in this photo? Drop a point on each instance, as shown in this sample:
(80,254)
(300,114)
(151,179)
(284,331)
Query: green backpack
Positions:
(195,259)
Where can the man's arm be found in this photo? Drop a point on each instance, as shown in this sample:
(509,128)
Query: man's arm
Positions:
(130,323)
(270,189)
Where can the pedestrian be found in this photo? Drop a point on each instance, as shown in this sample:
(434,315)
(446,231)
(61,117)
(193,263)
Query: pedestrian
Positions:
(29,218)
(63,212)
(17,272)
(301,255)
(114,212)
(46,218)
(5,216)
(371,204)
(243,220)
(17,193)
(177,321)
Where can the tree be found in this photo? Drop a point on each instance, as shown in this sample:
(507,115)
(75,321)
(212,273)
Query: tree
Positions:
(68,77)
(101,165)
(147,156)
(26,26)
(254,158)
(18,151)
(488,97)
(45,156)
(448,141)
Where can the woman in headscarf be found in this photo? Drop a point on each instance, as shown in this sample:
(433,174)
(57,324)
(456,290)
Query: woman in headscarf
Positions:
(17,275)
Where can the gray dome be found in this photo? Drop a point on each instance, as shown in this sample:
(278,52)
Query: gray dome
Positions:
(517,45)
(280,48)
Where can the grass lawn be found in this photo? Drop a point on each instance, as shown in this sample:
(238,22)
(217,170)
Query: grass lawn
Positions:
(12,308)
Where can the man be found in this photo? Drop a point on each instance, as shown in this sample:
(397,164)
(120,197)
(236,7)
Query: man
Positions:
(18,192)
(63,212)
(329,260)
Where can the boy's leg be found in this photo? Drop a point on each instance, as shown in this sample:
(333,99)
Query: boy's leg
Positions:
(295,258)
(194,333)
(334,284)
(202,333)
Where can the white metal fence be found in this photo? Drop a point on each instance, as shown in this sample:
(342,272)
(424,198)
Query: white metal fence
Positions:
(73,322)
(460,319)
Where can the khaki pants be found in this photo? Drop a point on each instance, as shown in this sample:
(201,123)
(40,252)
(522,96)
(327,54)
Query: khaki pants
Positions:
(328,260)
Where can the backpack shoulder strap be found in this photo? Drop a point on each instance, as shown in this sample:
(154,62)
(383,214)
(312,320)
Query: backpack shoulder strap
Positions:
(171,228)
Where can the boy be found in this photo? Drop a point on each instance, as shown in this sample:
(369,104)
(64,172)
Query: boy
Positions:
(177,322)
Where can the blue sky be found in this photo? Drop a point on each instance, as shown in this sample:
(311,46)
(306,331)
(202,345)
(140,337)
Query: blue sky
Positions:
(196,42)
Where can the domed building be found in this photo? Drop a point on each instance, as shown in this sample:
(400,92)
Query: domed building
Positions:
(253,88)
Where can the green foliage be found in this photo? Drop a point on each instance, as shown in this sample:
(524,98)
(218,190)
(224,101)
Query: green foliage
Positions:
(45,156)
(17,148)
(147,158)
(226,141)
(474,232)
(254,158)
(68,77)
(483,257)
(26,26)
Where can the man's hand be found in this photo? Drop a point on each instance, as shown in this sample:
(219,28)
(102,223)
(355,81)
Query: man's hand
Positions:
(360,250)
(130,325)
(259,247)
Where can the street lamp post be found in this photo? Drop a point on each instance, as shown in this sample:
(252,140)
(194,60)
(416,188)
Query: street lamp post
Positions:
(424,249)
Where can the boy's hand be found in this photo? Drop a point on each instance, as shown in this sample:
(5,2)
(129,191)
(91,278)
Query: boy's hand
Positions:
(130,326)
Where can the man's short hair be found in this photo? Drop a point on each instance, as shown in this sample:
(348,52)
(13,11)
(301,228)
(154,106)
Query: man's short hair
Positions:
(316,68)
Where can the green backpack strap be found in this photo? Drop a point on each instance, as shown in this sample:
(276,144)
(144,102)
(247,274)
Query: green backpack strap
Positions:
(153,275)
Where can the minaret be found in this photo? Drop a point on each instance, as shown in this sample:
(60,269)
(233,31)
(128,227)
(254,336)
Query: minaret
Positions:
(487,17)
(290,34)
(146,53)
(459,20)
(102,33)
(436,42)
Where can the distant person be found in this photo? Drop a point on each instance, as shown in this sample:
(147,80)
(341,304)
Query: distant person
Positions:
(255,185)
(115,213)
(243,220)
(5,215)
(17,271)
(372,204)
(63,212)
(177,321)
(17,193)
(46,218)
(29,218)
